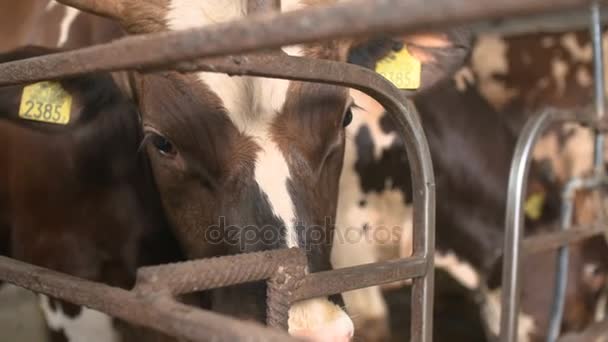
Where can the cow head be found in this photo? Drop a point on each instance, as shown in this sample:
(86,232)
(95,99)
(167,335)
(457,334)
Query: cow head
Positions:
(243,164)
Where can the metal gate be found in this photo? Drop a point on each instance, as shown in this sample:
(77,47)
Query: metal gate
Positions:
(152,301)
(515,245)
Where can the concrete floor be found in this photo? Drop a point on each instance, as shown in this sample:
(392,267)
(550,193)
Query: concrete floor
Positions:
(20,317)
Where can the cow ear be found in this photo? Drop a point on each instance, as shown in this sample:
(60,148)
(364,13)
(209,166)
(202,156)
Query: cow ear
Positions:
(416,62)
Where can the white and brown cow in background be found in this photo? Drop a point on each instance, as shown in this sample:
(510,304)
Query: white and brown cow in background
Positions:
(472,125)
(237,155)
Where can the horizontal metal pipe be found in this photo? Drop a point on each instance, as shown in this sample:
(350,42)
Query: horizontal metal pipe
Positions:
(554,240)
(357,277)
(205,274)
(162,314)
(271,30)
(554,22)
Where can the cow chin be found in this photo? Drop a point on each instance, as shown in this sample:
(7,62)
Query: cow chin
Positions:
(320,320)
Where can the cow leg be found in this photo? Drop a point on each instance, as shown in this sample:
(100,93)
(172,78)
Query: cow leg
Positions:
(366,306)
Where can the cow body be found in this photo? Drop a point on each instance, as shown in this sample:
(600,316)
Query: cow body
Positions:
(77,198)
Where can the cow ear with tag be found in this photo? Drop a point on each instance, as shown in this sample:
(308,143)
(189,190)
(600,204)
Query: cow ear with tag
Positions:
(417,62)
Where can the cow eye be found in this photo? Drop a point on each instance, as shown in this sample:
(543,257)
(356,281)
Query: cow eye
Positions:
(348,117)
(163,145)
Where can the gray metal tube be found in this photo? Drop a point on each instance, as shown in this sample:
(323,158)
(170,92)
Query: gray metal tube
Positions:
(514,220)
(561,272)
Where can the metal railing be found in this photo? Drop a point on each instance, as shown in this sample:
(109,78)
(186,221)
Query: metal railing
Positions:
(151,303)
(515,245)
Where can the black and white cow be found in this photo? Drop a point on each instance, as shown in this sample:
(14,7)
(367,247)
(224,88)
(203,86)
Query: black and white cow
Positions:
(472,144)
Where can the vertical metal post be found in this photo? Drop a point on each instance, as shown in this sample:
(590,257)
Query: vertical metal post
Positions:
(514,220)
(561,272)
(561,279)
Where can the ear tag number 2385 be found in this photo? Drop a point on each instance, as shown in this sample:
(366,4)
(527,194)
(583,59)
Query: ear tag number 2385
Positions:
(46,102)
(402,69)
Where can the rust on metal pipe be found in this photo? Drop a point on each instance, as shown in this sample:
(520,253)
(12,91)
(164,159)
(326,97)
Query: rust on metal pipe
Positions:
(161,314)
(356,277)
(205,274)
(280,293)
(268,31)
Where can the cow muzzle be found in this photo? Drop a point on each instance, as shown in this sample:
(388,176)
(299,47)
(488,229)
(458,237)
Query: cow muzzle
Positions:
(320,320)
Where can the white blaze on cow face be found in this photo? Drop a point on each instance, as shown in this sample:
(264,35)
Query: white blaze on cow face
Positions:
(66,22)
(252,104)
(88,325)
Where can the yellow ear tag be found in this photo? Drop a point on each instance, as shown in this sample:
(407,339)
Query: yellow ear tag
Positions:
(402,69)
(46,102)
(534,206)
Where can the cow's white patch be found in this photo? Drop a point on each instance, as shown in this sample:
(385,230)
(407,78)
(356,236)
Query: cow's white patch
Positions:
(579,53)
(272,175)
(319,315)
(66,23)
(489,59)
(459,269)
(463,78)
(491,314)
(559,71)
(583,77)
(89,325)
(574,159)
(51,5)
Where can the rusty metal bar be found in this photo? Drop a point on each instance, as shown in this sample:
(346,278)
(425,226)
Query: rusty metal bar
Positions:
(161,313)
(200,275)
(409,127)
(266,31)
(357,277)
(553,22)
(551,241)
(280,294)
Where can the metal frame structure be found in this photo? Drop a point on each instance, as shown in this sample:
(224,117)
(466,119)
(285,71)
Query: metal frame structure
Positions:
(515,245)
(151,303)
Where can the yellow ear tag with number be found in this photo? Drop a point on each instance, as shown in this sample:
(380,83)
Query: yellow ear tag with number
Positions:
(534,206)
(402,69)
(46,102)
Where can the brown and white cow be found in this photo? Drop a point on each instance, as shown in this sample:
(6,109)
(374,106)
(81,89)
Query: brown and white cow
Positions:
(245,155)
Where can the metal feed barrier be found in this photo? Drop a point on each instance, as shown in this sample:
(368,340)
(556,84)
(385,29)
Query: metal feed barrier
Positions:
(152,301)
(514,224)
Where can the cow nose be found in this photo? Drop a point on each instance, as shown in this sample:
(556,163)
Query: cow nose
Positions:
(319,320)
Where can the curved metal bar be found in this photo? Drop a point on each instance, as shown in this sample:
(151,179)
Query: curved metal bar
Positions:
(514,220)
(408,126)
